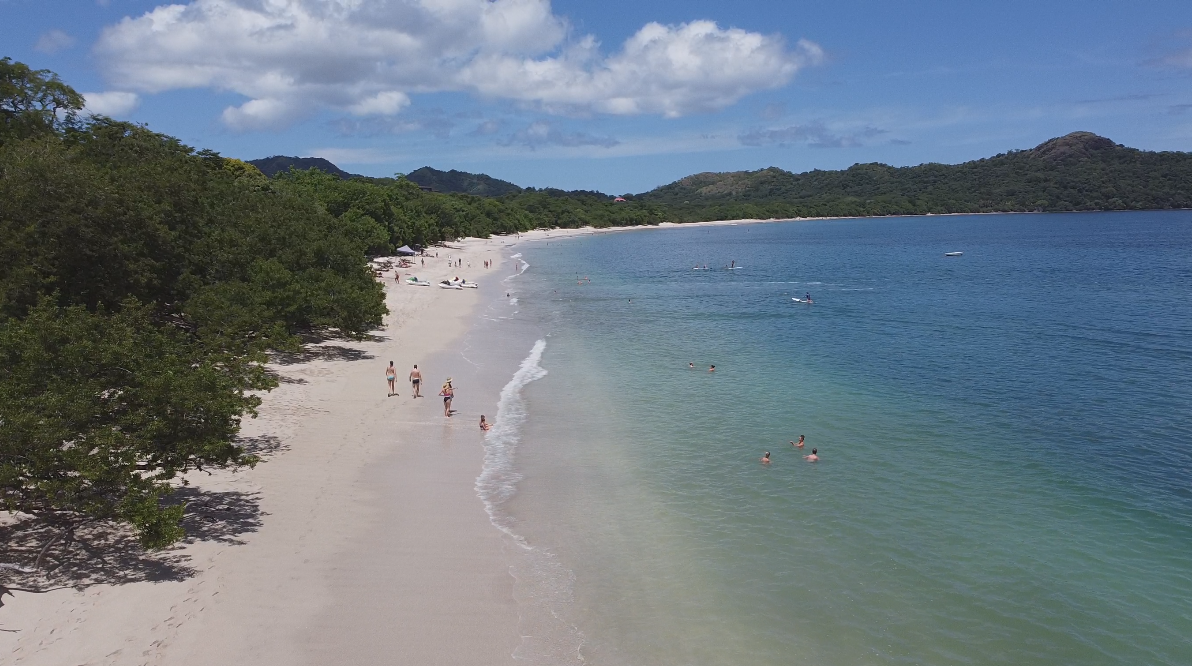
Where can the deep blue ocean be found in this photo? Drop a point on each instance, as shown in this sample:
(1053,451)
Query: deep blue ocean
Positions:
(1005,442)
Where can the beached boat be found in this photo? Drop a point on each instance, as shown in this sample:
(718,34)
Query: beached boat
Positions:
(447,284)
(417,282)
(464,283)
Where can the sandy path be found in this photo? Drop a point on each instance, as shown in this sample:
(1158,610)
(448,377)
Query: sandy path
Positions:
(370,545)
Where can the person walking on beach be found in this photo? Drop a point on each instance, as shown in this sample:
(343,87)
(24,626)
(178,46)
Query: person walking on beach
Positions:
(416,381)
(814,456)
(448,393)
(391,376)
(800,444)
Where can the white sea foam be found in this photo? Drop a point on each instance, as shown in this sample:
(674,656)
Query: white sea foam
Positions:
(544,585)
(498,478)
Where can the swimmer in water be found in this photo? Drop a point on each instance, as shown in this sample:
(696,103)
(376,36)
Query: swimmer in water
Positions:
(814,456)
(799,444)
(712,369)
(766,458)
(691,366)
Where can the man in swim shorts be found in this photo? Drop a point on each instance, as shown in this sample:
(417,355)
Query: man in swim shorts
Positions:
(416,380)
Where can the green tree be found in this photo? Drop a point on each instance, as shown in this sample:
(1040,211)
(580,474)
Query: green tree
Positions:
(34,102)
(100,411)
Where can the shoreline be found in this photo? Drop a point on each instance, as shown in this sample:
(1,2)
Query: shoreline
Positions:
(358,538)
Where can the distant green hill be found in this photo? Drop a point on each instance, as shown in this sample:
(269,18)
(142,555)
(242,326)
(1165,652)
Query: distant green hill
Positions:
(1079,171)
(462,182)
(271,166)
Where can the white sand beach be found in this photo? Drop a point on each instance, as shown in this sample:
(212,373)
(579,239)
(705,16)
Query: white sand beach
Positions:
(358,540)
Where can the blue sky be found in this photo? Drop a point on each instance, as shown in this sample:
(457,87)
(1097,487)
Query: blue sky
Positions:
(620,96)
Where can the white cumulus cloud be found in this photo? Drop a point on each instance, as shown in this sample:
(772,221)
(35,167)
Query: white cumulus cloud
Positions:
(291,58)
(112,103)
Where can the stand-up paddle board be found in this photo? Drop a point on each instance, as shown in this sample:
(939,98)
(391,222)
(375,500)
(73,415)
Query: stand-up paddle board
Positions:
(799,300)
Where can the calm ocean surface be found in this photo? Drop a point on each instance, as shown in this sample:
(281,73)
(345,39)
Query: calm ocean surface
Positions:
(1006,443)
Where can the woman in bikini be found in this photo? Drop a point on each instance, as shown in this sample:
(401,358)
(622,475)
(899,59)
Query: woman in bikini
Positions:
(448,393)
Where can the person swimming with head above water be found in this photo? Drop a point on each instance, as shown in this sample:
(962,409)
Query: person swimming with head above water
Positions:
(800,442)
(813,456)
(766,458)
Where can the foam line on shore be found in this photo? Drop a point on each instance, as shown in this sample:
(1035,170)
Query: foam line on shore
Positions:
(498,478)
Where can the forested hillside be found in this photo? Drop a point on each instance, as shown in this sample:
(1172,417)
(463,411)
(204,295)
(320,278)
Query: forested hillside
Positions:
(271,166)
(462,182)
(1080,171)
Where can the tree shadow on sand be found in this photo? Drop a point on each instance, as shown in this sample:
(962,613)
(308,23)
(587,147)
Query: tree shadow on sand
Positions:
(107,553)
(264,446)
(322,353)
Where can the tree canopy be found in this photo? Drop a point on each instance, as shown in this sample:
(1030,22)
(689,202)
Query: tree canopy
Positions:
(142,282)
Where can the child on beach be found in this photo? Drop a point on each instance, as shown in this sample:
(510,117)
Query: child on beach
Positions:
(484,425)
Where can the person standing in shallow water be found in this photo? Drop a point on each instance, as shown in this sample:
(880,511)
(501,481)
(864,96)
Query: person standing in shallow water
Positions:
(813,456)
(391,376)
(800,443)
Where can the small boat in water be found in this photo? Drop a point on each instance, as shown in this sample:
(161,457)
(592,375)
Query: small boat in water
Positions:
(953,254)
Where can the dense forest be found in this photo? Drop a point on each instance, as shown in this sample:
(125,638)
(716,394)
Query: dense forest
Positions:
(142,284)
(1080,171)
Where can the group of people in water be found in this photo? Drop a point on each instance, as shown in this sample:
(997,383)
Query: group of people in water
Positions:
(415,378)
(811,457)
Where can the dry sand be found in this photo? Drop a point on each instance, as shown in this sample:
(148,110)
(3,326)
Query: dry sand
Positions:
(358,540)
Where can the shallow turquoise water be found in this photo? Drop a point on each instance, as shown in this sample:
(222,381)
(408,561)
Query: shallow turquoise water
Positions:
(1006,441)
